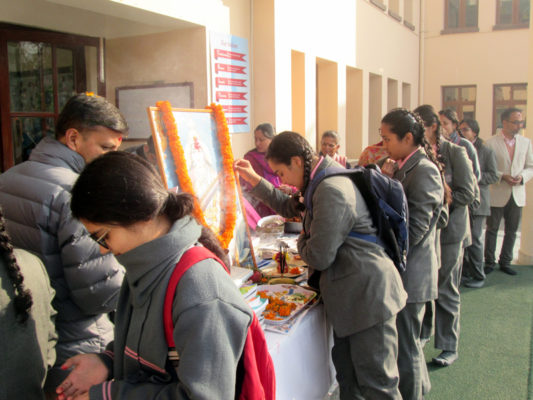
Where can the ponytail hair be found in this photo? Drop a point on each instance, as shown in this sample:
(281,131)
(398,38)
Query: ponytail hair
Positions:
(120,188)
(430,117)
(23,300)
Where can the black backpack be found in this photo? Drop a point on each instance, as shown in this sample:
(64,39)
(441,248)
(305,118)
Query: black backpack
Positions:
(386,202)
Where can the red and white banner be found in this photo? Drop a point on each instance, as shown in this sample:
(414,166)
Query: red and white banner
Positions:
(219,81)
(230,79)
(229,54)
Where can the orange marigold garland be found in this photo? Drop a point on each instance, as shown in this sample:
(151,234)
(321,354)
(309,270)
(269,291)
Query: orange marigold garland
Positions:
(230,195)
(229,206)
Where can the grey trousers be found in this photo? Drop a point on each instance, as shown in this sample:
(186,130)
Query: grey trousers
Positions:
(512,214)
(473,259)
(366,363)
(448,304)
(429,320)
(414,377)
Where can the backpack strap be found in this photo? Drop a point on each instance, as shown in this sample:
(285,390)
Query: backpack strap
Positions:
(321,175)
(356,175)
(191,257)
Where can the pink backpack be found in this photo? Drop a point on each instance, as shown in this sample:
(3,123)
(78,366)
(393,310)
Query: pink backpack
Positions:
(259,381)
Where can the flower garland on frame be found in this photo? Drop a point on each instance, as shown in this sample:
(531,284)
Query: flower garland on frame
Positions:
(228,201)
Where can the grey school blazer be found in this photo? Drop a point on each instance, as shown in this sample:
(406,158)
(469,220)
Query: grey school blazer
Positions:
(460,177)
(489,175)
(359,283)
(423,188)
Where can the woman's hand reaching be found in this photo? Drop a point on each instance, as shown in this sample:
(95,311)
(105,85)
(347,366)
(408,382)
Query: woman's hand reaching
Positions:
(246,172)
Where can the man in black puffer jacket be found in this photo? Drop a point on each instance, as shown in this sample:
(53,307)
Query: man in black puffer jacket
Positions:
(35,196)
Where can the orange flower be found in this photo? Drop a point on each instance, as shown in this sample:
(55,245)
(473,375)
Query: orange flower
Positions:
(228,200)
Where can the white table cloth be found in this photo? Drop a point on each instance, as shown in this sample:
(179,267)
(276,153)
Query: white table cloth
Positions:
(302,359)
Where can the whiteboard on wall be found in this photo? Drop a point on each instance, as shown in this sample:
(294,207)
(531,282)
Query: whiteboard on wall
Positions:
(132,101)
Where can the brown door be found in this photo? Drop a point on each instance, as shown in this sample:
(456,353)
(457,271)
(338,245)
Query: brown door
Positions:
(39,71)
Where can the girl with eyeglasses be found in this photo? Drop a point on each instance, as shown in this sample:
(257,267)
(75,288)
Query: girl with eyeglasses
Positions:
(122,202)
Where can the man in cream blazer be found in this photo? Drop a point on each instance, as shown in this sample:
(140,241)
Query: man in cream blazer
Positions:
(507,196)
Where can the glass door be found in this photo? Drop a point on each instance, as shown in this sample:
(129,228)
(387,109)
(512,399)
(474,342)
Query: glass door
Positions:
(42,74)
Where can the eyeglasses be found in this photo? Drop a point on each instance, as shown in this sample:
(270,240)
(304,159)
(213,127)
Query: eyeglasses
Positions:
(100,239)
(516,122)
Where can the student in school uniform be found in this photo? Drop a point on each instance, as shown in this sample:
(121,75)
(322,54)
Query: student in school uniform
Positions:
(459,176)
(361,288)
(473,273)
(412,162)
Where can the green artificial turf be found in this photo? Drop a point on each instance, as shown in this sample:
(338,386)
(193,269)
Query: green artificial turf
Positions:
(495,347)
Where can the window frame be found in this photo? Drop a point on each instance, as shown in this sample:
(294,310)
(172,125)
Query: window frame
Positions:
(57,40)
(514,23)
(462,19)
(507,103)
(458,104)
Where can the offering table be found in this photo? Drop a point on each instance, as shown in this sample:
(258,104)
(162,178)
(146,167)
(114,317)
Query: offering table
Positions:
(302,358)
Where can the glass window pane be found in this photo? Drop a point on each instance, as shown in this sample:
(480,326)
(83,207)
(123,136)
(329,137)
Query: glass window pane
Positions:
(453,13)
(468,94)
(451,94)
(469,111)
(520,93)
(27,132)
(65,76)
(502,93)
(471,13)
(394,6)
(30,80)
(91,68)
(499,111)
(469,114)
(408,10)
(48,79)
(523,11)
(506,12)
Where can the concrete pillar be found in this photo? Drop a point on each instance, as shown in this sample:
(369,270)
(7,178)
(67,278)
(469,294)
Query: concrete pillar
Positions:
(310,98)
(341,106)
(327,97)
(354,112)
(298,91)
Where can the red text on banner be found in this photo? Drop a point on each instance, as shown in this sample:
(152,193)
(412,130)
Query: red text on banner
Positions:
(232,55)
(229,82)
(236,120)
(231,96)
(234,69)
(233,109)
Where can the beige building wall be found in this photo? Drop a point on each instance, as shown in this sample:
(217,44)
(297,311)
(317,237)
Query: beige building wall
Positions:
(481,58)
(162,58)
(337,50)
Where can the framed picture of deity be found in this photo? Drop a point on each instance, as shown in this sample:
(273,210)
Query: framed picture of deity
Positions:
(194,155)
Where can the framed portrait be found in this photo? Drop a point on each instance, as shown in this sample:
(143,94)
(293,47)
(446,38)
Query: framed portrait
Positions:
(195,156)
